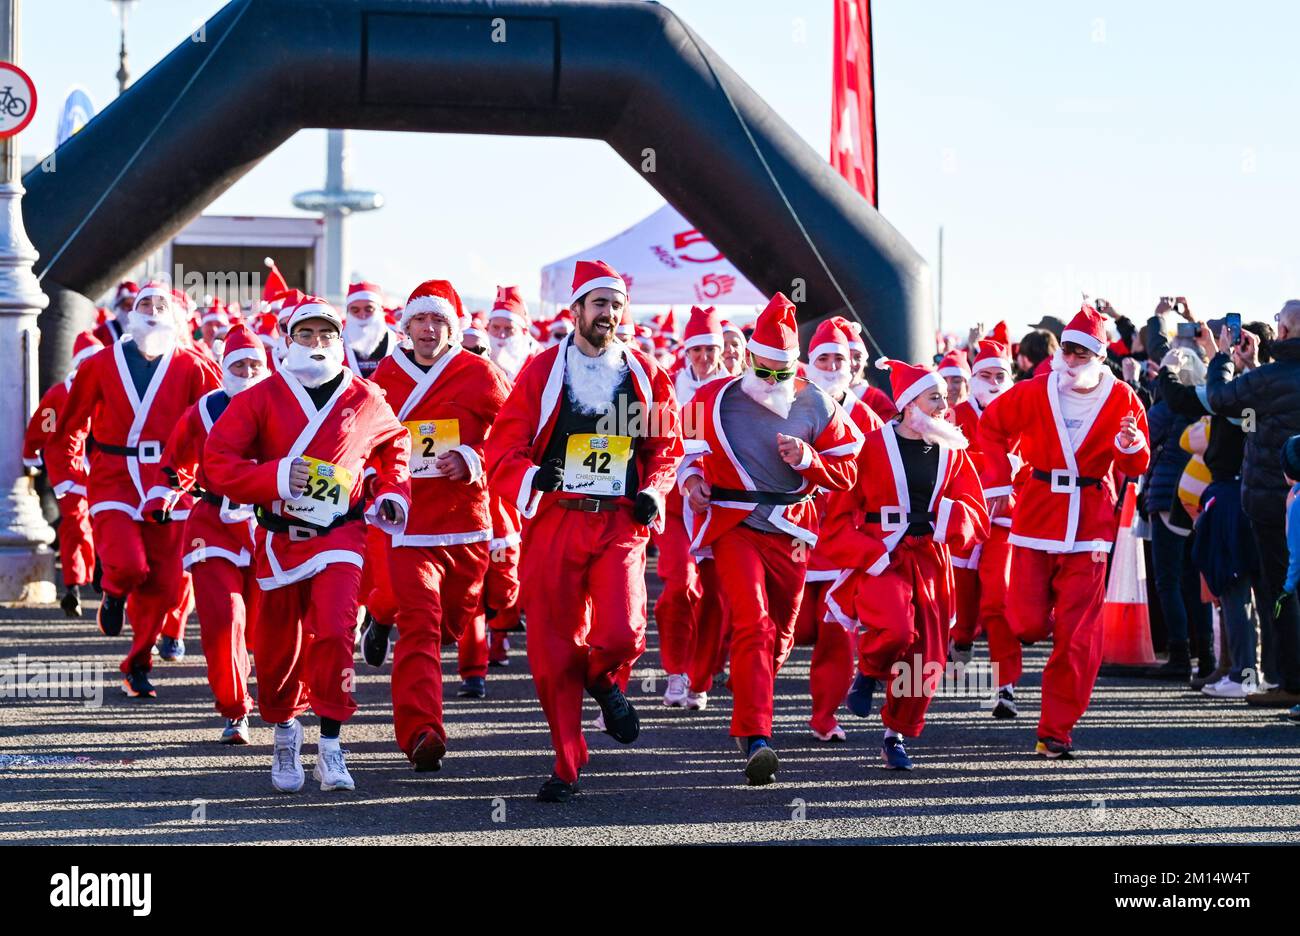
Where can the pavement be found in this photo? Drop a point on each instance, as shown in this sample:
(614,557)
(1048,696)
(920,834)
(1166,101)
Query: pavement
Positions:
(1160,764)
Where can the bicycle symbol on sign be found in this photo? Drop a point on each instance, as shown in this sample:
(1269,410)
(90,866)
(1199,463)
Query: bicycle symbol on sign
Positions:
(14,106)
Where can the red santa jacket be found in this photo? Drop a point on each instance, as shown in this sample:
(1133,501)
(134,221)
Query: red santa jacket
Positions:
(863,548)
(103,400)
(1058,515)
(111,329)
(523,430)
(821,568)
(40,428)
(252,446)
(966,415)
(829,462)
(212,531)
(469,390)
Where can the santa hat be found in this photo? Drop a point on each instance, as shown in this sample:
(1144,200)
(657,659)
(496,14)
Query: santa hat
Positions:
(854,331)
(991,354)
(125,290)
(908,381)
(831,337)
(594,274)
(563,322)
(703,328)
(241,345)
(438,297)
(265,324)
(668,327)
(776,333)
(287,300)
(309,307)
(510,305)
(83,346)
(954,364)
(626,325)
(275,284)
(215,312)
(364,292)
(1001,334)
(731,327)
(1087,328)
(477,326)
(152,290)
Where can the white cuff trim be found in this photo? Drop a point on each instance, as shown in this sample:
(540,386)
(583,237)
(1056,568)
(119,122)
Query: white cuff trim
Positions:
(941,519)
(32,462)
(528,498)
(472,462)
(282,478)
(806,462)
(1137,447)
(1004,490)
(375,518)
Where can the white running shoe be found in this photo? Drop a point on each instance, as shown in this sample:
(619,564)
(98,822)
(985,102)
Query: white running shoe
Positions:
(286,760)
(332,770)
(836,734)
(678,688)
(697,701)
(1225,688)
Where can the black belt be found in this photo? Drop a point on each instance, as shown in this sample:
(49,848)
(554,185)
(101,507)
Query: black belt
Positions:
(916,516)
(776,498)
(278,524)
(216,500)
(148,452)
(591,504)
(1078,482)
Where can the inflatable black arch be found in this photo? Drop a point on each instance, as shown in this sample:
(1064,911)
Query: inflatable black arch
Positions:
(629,73)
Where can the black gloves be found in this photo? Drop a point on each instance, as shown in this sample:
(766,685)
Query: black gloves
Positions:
(645,510)
(161,516)
(549,477)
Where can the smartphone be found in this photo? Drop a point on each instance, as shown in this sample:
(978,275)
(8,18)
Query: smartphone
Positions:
(1188,329)
(1233,321)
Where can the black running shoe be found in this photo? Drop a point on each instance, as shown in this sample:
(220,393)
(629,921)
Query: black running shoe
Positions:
(136,685)
(374,641)
(556,790)
(112,610)
(428,753)
(71,603)
(1006,704)
(1051,748)
(761,764)
(473,687)
(621,722)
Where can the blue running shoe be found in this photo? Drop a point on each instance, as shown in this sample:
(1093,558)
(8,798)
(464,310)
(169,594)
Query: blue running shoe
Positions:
(473,687)
(859,698)
(171,649)
(895,755)
(760,768)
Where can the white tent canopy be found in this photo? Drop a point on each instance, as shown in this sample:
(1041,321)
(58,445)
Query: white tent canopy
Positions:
(664,260)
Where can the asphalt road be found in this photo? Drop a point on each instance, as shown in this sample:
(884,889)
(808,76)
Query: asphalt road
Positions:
(1160,764)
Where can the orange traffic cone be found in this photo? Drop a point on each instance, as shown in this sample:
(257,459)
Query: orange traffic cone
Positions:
(1126,628)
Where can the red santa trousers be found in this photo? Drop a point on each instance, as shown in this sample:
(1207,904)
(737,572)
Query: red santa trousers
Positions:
(226,598)
(501,588)
(1074,586)
(143,564)
(764,577)
(304,645)
(174,623)
(376,587)
(676,607)
(582,585)
(709,651)
(995,576)
(904,617)
(831,671)
(439,593)
(76,541)
(966,595)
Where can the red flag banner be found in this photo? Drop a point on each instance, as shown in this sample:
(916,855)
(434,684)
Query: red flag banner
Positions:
(853,99)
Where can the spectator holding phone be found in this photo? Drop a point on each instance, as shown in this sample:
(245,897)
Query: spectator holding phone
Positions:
(1267,399)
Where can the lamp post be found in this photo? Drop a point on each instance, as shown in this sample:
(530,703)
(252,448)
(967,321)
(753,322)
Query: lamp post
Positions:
(26,562)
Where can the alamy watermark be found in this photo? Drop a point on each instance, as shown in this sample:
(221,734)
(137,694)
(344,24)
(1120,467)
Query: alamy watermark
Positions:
(21,678)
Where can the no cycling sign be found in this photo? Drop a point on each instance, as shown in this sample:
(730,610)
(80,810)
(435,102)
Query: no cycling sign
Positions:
(17,99)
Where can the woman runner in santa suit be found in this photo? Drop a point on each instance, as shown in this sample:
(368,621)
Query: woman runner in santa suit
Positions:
(218,542)
(586,447)
(447,398)
(770,440)
(296,446)
(831,669)
(917,496)
(1073,425)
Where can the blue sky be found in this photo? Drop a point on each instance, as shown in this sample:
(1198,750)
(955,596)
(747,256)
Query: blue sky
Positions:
(1127,149)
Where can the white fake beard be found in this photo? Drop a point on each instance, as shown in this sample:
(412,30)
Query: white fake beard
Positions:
(363,335)
(933,431)
(309,371)
(154,337)
(1082,378)
(985,392)
(592,381)
(510,353)
(777,397)
(280,349)
(233,383)
(835,383)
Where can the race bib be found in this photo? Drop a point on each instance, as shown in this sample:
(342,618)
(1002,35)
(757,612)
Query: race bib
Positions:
(328,494)
(596,464)
(429,439)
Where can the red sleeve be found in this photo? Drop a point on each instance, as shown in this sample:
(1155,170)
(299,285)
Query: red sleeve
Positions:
(841,542)
(40,427)
(831,461)
(227,456)
(962,518)
(664,446)
(509,447)
(999,431)
(1133,462)
(64,453)
(390,454)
